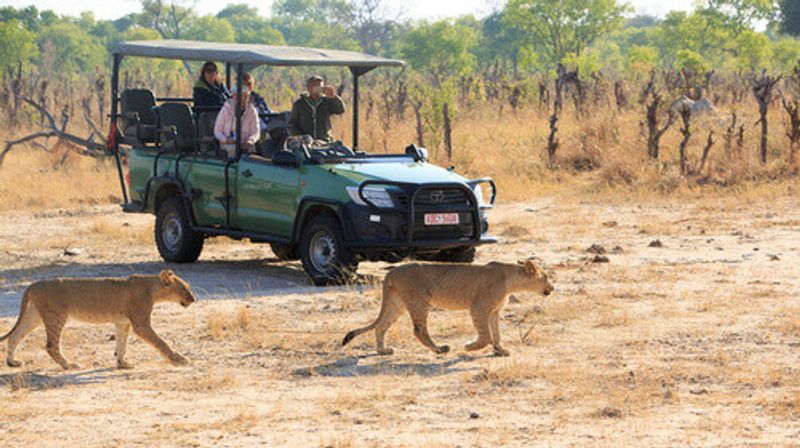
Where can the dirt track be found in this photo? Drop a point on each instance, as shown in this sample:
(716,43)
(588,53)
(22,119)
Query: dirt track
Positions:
(693,342)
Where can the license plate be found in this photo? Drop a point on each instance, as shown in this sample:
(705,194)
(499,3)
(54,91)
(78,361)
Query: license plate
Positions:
(441,219)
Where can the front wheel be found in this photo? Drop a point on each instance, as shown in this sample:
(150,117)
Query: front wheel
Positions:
(175,239)
(325,259)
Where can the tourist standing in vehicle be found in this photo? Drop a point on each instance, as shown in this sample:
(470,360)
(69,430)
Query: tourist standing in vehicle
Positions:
(209,93)
(225,126)
(311,114)
(258,101)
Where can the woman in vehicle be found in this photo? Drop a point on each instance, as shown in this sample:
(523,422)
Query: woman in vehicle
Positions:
(209,93)
(258,101)
(225,126)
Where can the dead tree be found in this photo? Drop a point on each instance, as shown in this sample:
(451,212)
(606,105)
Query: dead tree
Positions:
(734,134)
(563,79)
(709,143)
(762,90)
(84,146)
(655,127)
(448,130)
(686,130)
(620,96)
(792,108)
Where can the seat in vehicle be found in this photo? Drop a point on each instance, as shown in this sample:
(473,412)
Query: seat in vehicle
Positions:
(206,142)
(176,123)
(138,118)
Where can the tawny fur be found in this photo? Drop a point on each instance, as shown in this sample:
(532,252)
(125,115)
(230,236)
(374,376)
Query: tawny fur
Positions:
(483,290)
(127,303)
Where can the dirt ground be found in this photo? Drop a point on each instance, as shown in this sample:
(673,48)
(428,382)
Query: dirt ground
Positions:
(689,335)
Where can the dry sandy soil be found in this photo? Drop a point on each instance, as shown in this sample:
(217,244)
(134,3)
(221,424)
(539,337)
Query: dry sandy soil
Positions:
(691,342)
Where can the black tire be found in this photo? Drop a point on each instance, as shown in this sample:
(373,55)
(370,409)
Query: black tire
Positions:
(457,255)
(325,259)
(175,240)
(284,251)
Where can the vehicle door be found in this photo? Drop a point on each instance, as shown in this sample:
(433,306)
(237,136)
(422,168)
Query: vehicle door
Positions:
(267,196)
(204,178)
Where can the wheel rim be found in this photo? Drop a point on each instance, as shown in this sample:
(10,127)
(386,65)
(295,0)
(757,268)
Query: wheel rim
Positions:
(172,232)
(323,252)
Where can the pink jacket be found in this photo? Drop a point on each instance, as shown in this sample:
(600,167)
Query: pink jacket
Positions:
(225,125)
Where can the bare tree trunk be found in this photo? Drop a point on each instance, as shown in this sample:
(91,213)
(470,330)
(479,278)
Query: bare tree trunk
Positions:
(709,143)
(762,90)
(793,127)
(417,106)
(448,130)
(655,132)
(686,118)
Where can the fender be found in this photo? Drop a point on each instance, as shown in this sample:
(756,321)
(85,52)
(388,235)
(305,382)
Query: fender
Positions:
(155,184)
(307,203)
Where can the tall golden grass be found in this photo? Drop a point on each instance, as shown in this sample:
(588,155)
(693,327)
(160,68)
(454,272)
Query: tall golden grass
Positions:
(601,152)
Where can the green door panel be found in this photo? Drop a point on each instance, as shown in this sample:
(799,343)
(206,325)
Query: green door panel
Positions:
(208,177)
(266,196)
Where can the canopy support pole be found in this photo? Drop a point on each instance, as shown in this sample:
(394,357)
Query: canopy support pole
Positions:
(228,75)
(357,72)
(239,73)
(114,124)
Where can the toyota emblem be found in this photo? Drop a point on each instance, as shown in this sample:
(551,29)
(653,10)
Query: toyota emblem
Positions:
(437,196)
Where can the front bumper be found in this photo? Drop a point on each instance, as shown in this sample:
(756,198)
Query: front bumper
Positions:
(402,229)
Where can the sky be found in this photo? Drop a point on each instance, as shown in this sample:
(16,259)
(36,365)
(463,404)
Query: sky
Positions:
(415,9)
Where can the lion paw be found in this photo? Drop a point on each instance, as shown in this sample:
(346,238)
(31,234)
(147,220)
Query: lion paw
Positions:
(13,363)
(123,364)
(501,352)
(72,366)
(442,349)
(386,351)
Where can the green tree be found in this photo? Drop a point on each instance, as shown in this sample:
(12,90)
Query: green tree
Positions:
(441,49)
(754,51)
(691,62)
(790,17)
(694,32)
(641,60)
(249,27)
(738,15)
(66,49)
(560,27)
(211,29)
(162,68)
(786,54)
(17,45)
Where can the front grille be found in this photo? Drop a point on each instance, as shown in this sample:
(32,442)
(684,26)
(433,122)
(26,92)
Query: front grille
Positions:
(435,197)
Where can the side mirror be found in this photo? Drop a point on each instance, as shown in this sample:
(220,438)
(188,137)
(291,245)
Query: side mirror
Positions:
(419,154)
(285,158)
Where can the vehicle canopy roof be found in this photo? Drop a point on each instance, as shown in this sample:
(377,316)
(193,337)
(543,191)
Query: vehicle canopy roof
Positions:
(250,54)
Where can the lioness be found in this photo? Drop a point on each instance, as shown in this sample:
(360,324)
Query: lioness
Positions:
(123,302)
(483,290)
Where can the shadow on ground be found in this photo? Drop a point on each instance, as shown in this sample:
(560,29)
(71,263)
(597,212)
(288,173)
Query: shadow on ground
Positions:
(213,279)
(350,366)
(37,381)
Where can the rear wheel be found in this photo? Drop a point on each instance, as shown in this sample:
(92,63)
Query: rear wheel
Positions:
(176,241)
(325,259)
(457,255)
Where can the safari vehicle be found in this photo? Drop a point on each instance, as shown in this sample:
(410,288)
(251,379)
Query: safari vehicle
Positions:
(329,205)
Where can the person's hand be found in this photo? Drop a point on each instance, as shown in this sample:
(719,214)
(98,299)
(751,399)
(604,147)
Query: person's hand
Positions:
(330,92)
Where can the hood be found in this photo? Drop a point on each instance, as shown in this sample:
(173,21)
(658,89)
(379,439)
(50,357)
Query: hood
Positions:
(397,170)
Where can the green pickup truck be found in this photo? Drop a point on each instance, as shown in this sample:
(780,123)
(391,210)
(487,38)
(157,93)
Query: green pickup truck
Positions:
(327,204)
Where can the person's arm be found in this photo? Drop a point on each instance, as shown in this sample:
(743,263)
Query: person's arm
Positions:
(221,126)
(335,105)
(294,120)
(251,131)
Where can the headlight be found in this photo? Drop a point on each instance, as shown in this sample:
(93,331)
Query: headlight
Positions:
(377,195)
(478,193)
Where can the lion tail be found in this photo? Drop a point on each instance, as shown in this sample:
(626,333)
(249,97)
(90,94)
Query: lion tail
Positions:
(387,288)
(23,308)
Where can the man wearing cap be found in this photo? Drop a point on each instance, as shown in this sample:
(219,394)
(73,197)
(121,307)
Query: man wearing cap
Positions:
(225,126)
(311,114)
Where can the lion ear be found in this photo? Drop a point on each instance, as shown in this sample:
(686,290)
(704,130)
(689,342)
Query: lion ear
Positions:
(530,267)
(166,276)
